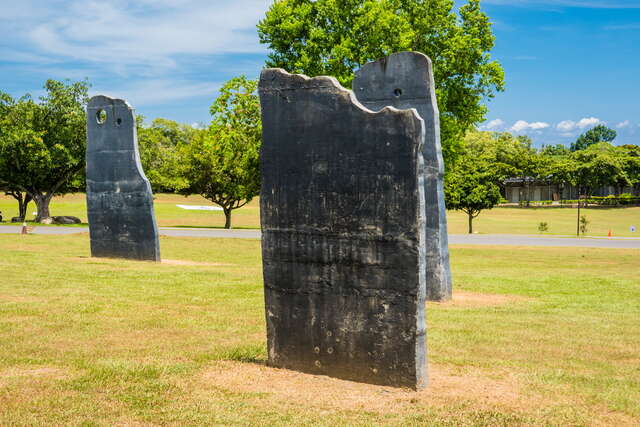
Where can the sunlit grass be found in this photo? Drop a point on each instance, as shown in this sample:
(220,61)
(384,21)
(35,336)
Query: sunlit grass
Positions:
(102,342)
(561,221)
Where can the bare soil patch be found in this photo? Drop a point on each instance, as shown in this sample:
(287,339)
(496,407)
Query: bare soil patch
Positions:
(182,262)
(465,299)
(47,372)
(107,261)
(445,387)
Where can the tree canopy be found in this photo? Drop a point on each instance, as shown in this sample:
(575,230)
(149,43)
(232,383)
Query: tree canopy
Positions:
(223,163)
(43,144)
(335,37)
(600,133)
(158,144)
(472,186)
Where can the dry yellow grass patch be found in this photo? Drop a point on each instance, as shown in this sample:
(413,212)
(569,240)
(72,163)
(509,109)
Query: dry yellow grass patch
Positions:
(196,263)
(43,372)
(445,387)
(464,299)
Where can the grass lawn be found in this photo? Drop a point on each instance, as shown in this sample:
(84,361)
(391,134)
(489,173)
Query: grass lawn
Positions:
(540,336)
(496,221)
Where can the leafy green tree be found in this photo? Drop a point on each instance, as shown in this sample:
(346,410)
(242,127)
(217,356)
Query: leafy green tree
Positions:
(223,164)
(158,144)
(600,133)
(335,37)
(557,150)
(43,144)
(631,157)
(509,156)
(598,165)
(23,199)
(472,185)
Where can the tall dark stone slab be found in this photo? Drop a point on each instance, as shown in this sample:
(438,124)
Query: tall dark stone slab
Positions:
(122,223)
(405,80)
(342,207)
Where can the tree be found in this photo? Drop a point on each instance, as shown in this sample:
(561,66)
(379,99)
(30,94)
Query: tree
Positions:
(557,150)
(631,155)
(158,148)
(472,185)
(223,164)
(596,166)
(331,37)
(43,144)
(23,199)
(600,133)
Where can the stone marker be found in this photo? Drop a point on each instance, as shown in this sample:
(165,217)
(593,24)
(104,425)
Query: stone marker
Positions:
(122,223)
(342,207)
(405,80)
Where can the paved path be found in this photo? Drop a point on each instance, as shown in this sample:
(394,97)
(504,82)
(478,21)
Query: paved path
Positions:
(455,239)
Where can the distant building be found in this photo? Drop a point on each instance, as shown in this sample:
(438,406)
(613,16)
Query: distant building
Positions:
(515,190)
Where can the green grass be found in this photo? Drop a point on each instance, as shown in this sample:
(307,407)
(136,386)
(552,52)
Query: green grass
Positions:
(562,221)
(101,342)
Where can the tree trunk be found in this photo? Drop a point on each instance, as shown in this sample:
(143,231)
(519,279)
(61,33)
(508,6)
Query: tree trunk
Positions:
(24,206)
(227,216)
(470,223)
(42,202)
(23,200)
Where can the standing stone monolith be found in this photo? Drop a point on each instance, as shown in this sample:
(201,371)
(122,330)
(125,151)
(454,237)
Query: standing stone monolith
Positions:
(122,223)
(405,80)
(342,206)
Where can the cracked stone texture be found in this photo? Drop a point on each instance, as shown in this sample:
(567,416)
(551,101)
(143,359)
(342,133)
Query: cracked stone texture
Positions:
(122,222)
(342,207)
(405,80)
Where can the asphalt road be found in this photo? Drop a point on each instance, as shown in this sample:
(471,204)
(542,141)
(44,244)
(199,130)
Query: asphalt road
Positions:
(455,239)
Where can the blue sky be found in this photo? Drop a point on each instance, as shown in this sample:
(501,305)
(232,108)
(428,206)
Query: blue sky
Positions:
(570,64)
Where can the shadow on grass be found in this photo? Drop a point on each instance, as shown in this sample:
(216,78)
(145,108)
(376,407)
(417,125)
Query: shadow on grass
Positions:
(248,353)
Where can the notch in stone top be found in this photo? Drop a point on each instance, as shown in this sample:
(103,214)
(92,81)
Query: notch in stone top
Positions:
(405,75)
(405,80)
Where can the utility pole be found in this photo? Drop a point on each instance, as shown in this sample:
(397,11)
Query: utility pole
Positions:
(578,222)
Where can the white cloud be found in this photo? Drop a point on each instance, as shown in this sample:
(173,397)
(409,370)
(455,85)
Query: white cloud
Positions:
(588,122)
(624,124)
(125,33)
(522,125)
(159,91)
(567,126)
(493,125)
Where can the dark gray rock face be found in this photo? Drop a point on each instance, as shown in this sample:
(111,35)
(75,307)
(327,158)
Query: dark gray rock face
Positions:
(405,80)
(66,220)
(342,207)
(122,222)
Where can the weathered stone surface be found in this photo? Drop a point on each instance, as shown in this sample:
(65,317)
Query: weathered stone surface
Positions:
(122,222)
(66,219)
(405,80)
(342,209)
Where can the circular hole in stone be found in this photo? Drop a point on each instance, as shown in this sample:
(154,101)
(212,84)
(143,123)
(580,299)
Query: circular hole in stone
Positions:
(101,117)
(118,121)
(397,92)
